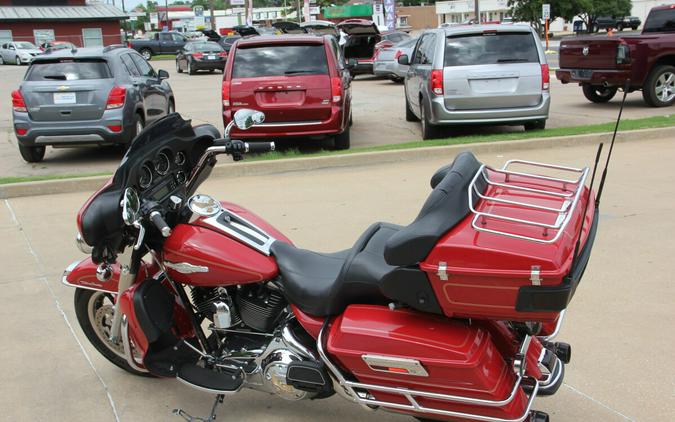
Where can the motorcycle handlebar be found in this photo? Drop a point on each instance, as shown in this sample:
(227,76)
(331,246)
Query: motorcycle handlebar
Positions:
(240,147)
(259,147)
(159,222)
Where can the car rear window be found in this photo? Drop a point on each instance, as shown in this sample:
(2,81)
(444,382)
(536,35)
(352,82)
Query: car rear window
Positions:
(207,47)
(490,48)
(68,70)
(279,60)
(660,21)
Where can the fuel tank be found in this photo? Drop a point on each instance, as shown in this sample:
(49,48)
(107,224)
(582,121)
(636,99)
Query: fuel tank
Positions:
(229,247)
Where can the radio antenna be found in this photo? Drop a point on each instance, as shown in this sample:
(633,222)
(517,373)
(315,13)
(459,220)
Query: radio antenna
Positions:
(611,146)
(588,199)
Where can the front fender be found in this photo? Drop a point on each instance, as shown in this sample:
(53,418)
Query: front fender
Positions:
(82,274)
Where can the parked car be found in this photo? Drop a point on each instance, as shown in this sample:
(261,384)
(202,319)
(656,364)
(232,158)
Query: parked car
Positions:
(99,96)
(161,43)
(226,42)
(288,27)
(478,74)
(632,22)
(49,46)
(321,27)
(18,53)
(363,38)
(386,60)
(601,65)
(300,82)
(200,55)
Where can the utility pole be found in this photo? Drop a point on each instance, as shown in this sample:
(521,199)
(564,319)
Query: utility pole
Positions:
(213,16)
(166,10)
(476,8)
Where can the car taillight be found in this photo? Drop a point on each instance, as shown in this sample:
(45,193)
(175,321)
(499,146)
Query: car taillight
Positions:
(545,77)
(128,44)
(115,128)
(437,81)
(21,131)
(223,54)
(622,54)
(116,98)
(226,93)
(17,102)
(197,55)
(398,54)
(336,89)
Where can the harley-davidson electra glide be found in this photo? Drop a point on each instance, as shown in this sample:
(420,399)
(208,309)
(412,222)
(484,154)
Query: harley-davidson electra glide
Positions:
(451,317)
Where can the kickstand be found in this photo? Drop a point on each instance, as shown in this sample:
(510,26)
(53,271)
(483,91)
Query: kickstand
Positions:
(212,417)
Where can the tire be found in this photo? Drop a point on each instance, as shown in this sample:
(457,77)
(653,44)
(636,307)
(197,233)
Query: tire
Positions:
(598,94)
(146,53)
(2,61)
(429,130)
(17,61)
(659,88)
(396,79)
(619,27)
(32,154)
(172,107)
(94,312)
(139,124)
(409,115)
(535,125)
(178,69)
(190,70)
(342,141)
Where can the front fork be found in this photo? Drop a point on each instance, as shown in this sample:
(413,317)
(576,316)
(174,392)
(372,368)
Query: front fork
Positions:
(129,261)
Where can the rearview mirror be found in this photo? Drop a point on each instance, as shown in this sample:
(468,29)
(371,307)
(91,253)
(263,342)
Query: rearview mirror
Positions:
(245,118)
(162,74)
(131,206)
(404,60)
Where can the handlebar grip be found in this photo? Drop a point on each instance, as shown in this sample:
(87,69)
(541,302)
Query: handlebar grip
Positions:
(260,147)
(159,222)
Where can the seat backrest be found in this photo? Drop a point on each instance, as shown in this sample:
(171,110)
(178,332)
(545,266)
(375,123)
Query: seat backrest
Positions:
(446,206)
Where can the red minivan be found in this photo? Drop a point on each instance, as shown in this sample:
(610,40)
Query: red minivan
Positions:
(300,82)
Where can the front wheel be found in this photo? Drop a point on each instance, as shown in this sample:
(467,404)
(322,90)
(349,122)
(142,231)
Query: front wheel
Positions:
(94,310)
(535,125)
(659,88)
(598,94)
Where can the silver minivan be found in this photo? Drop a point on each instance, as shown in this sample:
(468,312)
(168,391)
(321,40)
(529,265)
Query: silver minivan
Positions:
(477,74)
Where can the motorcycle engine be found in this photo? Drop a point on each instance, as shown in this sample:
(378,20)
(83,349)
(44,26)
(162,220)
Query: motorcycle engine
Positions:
(275,368)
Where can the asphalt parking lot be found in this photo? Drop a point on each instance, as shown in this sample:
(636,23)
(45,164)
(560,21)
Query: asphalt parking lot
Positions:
(378,112)
(621,368)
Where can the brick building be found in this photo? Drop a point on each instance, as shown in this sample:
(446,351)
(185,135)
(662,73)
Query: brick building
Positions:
(84,24)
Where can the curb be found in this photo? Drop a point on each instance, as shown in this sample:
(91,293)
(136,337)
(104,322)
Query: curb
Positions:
(258,168)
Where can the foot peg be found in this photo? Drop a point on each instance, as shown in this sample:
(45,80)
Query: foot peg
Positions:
(210,380)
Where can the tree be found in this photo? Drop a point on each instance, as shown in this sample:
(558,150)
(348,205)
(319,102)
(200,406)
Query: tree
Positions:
(530,11)
(590,10)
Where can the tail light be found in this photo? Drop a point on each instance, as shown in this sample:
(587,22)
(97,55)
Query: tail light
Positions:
(128,44)
(398,54)
(336,89)
(437,81)
(17,102)
(226,93)
(21,131)
(116,98)
(197,55)
(622,54)
(115,128)
(223,54)
(545,77)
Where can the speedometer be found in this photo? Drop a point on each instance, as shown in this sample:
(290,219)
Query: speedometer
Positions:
(162,163)
(145,177)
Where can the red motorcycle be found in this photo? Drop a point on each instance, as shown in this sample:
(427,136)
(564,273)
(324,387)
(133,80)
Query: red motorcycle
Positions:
(451,317)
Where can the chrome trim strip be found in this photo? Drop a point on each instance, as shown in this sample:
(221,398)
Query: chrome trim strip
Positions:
(44,139)
(381,363)
(556,331)
(253,231)
(349,387)
(289,124)
(128,354)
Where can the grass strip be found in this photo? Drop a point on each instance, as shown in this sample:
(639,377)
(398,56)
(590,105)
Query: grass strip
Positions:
(20,179)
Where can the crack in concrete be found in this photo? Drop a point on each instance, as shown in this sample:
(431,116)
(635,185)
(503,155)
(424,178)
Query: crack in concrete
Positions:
(59,308)
(598,402)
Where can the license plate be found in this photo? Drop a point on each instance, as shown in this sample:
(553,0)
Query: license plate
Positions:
(65,98)
(582,74)
(211,57)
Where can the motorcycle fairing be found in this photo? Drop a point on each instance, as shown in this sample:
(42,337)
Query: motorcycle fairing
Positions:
(82,274)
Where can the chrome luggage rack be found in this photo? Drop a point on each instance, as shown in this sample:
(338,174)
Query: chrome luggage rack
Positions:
(567,191)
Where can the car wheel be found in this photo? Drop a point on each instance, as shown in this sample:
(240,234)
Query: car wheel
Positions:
(190,70)
(429,130)
(172,107)
(1,60)
(619,27)
(342,140)
(32,154)
(146,53)
(178,69)
(659,88)
(139,124)
(409,115)
(535,125)
(17,61)
(397,79)
(598,94)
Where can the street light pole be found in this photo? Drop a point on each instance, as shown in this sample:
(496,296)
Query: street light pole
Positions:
(476,8)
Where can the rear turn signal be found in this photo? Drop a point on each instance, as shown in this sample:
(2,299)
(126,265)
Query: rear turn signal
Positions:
(437,81)
(226,93)
(197,55)
(223,54)
(545,77)
(116,98)
(21,131)
(17,102)
(336,89)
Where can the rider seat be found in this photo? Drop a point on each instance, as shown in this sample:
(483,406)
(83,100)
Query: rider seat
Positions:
(383,263)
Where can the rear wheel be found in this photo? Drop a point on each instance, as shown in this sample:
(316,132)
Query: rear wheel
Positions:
(2,61)
(190,69)
(409,115)
(659,88)
(598,94)
(429,130)
(342,140)
(139,124)
(17,61)
(32,154)
(178,69)
(535,125)
(146,53)
(94,312)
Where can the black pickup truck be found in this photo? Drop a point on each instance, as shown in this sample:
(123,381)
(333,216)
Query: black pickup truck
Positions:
(621,23)
(161,43)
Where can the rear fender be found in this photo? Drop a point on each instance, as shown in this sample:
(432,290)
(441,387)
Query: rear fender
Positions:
(82,274)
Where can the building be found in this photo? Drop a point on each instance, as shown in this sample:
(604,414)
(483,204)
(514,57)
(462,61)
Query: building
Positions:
(84,24)
(415,18)
(459,11)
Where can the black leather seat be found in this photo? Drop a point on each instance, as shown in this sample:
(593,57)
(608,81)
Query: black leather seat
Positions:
(382,264)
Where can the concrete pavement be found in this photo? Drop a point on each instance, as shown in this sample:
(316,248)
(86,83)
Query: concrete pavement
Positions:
(617,324)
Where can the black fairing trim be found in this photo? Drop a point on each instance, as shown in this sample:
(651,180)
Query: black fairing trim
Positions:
(411,286)
(153,305)
(446,206)
(556,298)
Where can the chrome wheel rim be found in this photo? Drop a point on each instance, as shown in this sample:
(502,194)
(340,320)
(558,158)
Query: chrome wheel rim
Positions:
(146,55)
(665,87)
(18,61)
(100,310)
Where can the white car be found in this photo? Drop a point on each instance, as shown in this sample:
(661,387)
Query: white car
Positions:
(19,52)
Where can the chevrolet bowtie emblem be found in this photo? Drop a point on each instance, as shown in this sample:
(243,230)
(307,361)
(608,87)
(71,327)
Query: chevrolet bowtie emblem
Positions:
(63,87)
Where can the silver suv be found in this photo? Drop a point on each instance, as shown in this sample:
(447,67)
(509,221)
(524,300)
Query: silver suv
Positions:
(100,96)
(477,74)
